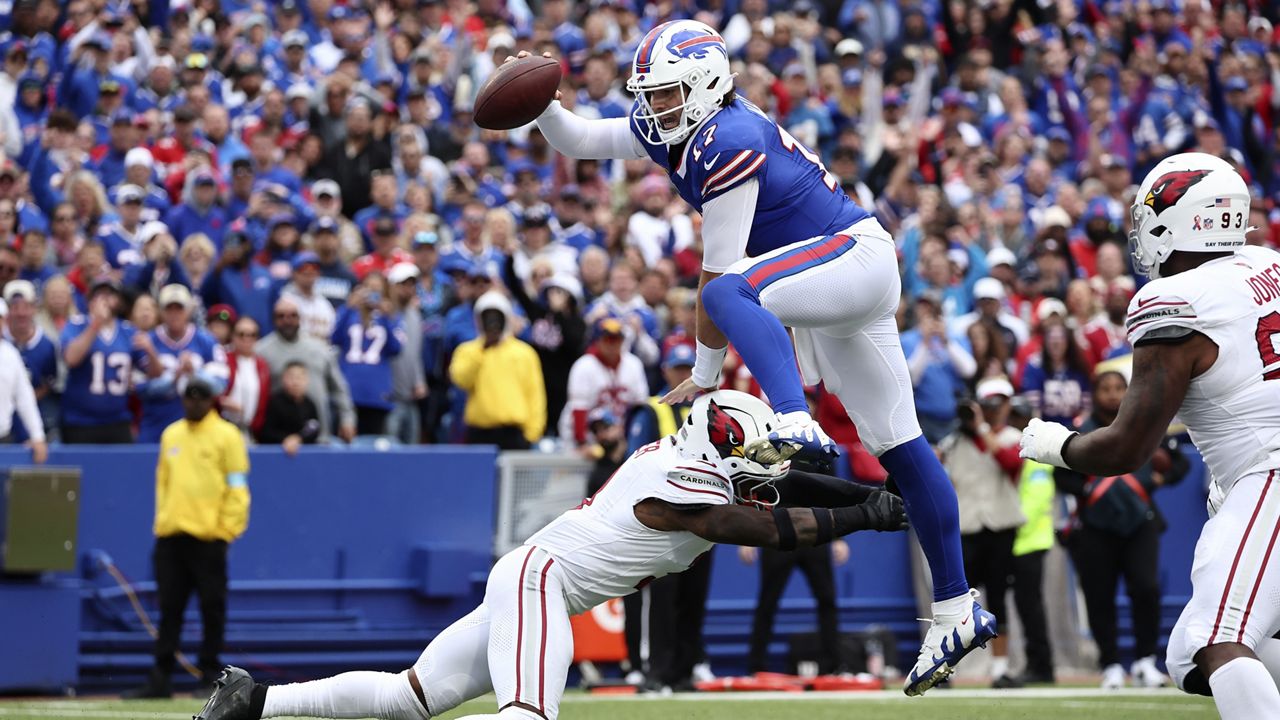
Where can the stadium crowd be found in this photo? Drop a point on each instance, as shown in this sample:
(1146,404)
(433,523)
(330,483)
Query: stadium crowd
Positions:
(289,198)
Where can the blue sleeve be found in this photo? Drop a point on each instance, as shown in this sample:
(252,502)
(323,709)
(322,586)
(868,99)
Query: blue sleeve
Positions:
(722,167)
(395,335)
(340,336)
(140,359)
(139,276)
(41,182)
(909,340)
(642,430)
(1032,378)
(69,333)
(977,268)
(912,282)
(650,322)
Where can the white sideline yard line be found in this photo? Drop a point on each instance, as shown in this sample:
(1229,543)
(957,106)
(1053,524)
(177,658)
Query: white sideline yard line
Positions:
(27,711)
(894,695)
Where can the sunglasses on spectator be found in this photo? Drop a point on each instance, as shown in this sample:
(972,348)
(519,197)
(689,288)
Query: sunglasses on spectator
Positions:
(286,314)
(64,218)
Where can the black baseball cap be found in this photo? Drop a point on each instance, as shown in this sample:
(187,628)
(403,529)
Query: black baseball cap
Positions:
(198,387)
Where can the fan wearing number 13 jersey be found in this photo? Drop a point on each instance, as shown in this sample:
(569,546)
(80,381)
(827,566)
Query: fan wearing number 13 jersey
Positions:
(1206,338)
(783,246)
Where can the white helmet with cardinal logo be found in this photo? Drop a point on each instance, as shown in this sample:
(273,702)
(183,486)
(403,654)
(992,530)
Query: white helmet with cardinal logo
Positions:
(718,427)
(1190,202)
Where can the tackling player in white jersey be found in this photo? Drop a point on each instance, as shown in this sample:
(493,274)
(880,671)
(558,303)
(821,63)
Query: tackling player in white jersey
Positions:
(1205,333)
(669,503)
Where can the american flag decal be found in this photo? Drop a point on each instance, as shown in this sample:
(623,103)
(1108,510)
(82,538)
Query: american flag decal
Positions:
(1222,202)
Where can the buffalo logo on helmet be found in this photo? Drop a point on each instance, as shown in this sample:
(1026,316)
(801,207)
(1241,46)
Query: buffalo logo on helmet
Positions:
(695,44)
(1170,188)
(724,431)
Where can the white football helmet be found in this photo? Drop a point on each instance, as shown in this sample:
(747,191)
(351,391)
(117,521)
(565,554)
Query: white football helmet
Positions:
(686,54)
(718,427)
(1190,202)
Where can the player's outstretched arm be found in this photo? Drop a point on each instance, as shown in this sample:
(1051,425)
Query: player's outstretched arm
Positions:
(805,489)
(583,139)
(782,529)
(1162,372)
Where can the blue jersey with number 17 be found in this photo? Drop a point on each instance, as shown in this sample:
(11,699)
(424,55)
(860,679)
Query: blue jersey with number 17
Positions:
(798,198)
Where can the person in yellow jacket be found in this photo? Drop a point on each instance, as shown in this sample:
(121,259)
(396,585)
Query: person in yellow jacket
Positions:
(202,504)
(502,377)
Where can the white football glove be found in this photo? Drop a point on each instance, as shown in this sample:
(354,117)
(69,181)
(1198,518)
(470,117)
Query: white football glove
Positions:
(1043,442)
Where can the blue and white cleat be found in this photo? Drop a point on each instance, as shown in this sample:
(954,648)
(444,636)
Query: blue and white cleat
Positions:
(946,644)
(792,437)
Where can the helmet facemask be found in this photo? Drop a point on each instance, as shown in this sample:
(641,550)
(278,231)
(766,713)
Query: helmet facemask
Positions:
(1145,246)
(687,112)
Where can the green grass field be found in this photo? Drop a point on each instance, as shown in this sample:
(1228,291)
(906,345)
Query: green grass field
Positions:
(1034,704)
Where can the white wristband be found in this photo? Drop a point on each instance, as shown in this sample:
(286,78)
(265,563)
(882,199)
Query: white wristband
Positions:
(707,364)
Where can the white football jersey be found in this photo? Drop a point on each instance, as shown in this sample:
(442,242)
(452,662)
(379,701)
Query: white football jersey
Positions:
(1232,411)
(604,552)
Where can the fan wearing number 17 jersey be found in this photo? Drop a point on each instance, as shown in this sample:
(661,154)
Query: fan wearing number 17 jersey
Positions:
(785,247)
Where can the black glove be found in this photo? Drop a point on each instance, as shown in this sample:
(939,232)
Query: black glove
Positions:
(880,512)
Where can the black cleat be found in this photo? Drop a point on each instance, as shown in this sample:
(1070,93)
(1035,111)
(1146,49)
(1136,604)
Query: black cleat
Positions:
(231,698)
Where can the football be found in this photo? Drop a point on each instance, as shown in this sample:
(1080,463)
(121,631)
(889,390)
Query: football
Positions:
(517,93)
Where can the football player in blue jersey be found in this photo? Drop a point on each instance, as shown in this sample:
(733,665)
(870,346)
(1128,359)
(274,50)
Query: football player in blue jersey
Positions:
(785,247)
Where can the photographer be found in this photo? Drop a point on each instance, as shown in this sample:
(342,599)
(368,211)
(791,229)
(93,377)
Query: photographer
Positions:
(982,460)
(940,365)
(1116,531)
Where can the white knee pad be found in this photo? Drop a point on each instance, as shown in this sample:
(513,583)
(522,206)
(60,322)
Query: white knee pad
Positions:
(1178,657)
(455,666)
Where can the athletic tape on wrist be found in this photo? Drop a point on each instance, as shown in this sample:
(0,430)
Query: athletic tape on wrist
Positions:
(826,529)
(786,529)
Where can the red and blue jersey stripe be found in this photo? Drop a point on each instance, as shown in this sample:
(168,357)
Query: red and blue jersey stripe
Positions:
(792,262)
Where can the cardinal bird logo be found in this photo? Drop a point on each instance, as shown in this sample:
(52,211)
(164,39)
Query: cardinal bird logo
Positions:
(726,433)
(1170,188)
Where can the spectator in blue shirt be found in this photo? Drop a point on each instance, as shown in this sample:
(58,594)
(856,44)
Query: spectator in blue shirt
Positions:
(199,211)
(109,158)
(80,87)
(139,169)
(183,350)
(101,352)
(239,282)
(367,336)
(940,363)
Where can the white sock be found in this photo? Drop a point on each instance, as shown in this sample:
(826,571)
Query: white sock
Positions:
(1244,690)
(1268,651)
(953,608)
(797,416)
(999,666)
(387,696)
